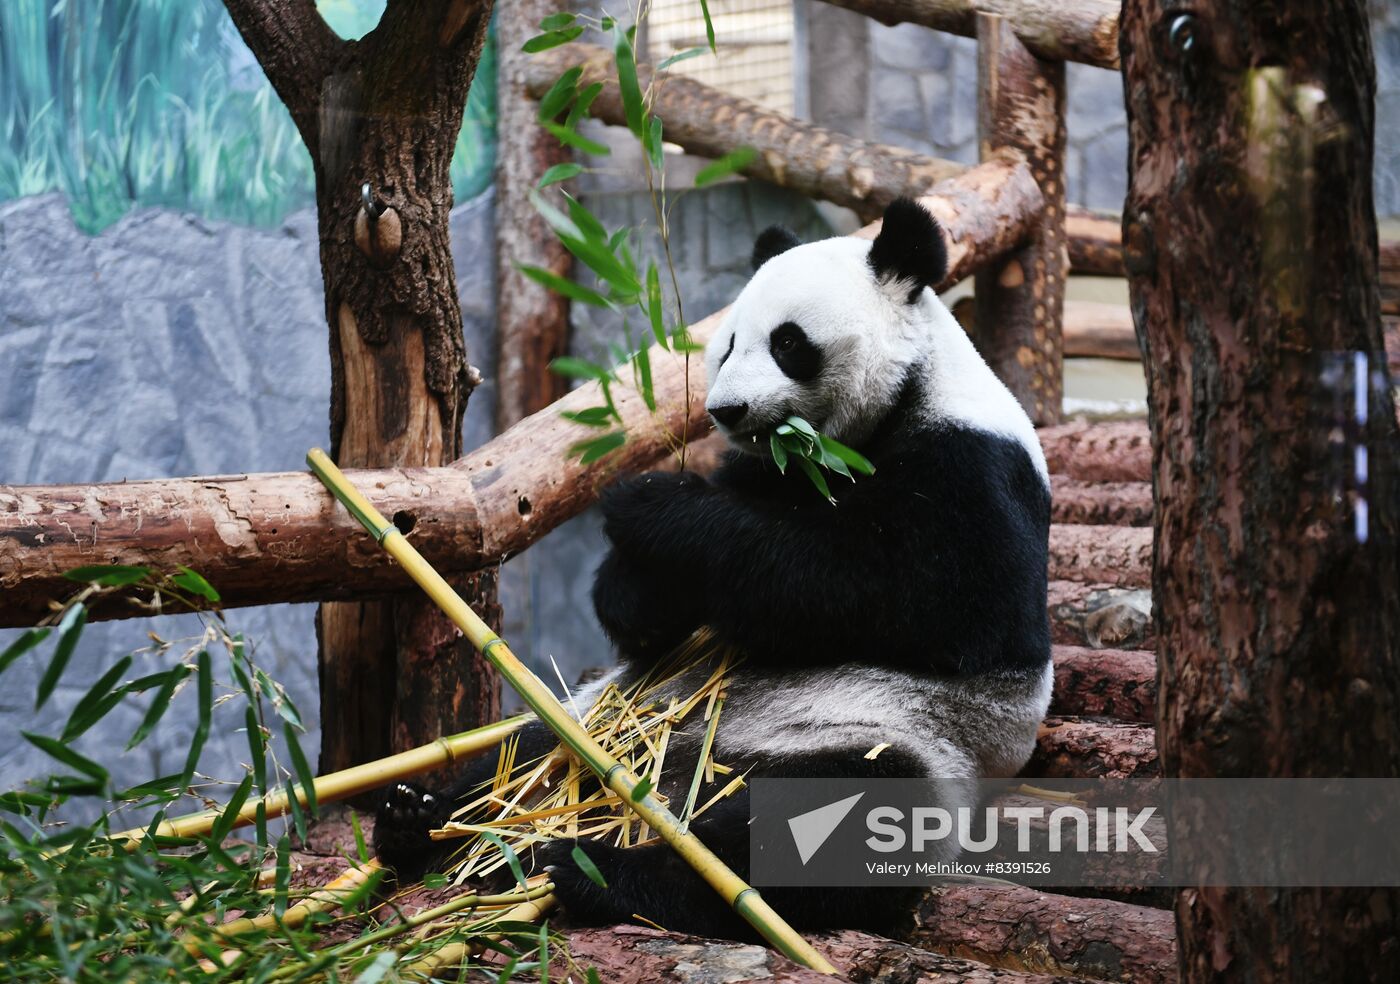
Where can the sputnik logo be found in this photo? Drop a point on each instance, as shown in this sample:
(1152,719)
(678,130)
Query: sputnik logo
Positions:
(810,830)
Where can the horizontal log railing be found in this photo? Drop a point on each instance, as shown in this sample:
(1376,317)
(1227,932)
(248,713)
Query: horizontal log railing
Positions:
(279,537)
(1057,30)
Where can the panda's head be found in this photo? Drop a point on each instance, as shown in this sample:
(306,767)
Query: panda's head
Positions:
(827,331)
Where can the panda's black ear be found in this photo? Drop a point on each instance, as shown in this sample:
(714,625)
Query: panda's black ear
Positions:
(909,248)
(771,242)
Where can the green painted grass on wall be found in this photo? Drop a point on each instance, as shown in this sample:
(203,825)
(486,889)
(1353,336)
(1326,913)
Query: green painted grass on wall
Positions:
(124,103)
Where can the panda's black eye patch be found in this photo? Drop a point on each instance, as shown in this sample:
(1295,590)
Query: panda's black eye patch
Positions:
(729,351)
(794,352)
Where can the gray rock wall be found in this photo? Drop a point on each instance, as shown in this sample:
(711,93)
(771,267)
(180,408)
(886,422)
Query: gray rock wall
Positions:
(913,87)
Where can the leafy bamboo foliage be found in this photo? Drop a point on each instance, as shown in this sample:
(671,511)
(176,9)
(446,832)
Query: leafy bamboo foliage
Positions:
(609,254)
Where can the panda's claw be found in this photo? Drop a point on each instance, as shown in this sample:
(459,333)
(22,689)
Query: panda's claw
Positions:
(401,830)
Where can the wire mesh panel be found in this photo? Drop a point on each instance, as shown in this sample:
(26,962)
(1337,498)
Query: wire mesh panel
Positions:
(754,40)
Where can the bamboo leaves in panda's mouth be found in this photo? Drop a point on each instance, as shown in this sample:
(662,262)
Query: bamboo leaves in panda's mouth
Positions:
(799,442)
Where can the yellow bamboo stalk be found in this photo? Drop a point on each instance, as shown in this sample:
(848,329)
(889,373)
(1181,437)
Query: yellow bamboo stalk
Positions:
(455,954)
(340,785)
(744,899)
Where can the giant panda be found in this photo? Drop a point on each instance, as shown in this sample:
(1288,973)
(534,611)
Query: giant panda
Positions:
(912,612)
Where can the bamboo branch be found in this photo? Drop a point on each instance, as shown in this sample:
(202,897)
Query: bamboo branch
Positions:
(743,899)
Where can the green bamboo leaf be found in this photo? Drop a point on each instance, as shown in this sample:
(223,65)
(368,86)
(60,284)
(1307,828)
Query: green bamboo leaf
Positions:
(560,285)
(108,575)
(850,456)
(586,865)
(58,750)
(654,144)
(194,582)
(560,172)
(572,138)
(640,791)
(582,105)
(591,451)
(568,365)
(593,231)
(512,860)
(257,748)
(735,160)
(298,815)
(557,22)
(305,776)
(780,457)
(70,628)
(592,417)
(159,704)
(552,103)
(680,56)
(801,426)
(205,682)
(655,307)
(641,361)
(283,880)
(361,850)
(709,24)
(627,85)
(550,39)
(27,641)
(227,819)
(815,475)
(101,697)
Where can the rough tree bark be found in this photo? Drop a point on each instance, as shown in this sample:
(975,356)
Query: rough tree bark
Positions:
(385,112)
(1250,245)
(532,323)
(1020,300)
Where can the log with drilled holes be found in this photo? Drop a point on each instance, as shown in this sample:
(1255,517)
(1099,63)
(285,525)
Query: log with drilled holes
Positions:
(1114,683)
(1070,748)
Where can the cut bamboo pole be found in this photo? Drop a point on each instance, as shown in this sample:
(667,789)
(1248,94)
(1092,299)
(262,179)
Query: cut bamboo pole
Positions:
(744,899)
(340,785)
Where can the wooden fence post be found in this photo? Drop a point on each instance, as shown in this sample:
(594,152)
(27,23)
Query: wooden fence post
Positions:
(1020,300)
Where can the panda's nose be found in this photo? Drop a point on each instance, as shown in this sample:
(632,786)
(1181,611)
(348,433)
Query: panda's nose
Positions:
(730,414)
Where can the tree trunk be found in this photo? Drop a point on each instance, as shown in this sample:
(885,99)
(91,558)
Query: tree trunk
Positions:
(532,323)
(1250,244)
(383,114)
(1020,300)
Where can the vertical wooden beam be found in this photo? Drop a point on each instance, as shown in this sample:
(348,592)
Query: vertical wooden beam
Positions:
(532,323)
(1020,301)
(1249,238)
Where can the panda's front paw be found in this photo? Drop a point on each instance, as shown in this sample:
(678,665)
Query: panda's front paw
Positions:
(641,609)
(406,814)
(582,900)
(645,516)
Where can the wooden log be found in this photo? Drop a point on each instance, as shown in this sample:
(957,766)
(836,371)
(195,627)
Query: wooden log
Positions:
(1085,31)
(1115,683)
(1117,451)
(821,163)
(1095,242)
(1100,616)
(532,322)
(1020,299)
(639,955)
(1022,929)
(279,538)
(1070,748)
(1117,555)
(1091,330)
(1250,241)
(1073,500)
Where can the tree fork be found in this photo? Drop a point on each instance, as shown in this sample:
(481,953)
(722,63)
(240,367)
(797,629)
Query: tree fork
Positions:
(380,117)
(1020,300)
(1250,245)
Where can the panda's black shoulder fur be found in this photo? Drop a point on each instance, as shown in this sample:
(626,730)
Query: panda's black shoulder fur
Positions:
(936,562)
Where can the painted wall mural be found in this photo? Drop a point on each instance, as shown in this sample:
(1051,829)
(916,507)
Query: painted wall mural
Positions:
(119,104)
